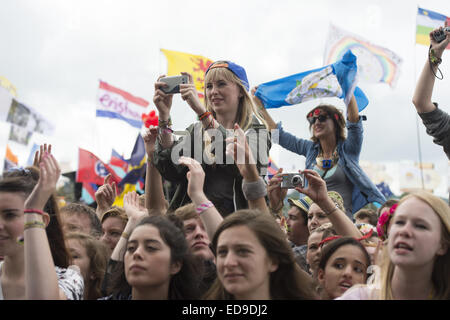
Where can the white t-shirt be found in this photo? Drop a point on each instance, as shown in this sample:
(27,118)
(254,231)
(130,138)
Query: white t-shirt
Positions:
(69,280)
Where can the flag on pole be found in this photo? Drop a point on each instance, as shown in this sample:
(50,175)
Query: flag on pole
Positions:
(11,160)
(137,163)
(116,103)
(118,161)
(92,169)
(196,65)
(375,63)
(335,80)
(426,22)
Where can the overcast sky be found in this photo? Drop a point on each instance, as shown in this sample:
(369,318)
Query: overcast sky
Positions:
(55,52)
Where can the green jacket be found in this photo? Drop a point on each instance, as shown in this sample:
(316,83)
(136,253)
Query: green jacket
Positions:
(231,186)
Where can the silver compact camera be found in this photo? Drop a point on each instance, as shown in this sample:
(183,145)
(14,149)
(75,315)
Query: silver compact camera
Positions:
(439,35)
(292,180)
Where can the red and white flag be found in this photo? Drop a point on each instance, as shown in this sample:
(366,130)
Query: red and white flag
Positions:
(115,103)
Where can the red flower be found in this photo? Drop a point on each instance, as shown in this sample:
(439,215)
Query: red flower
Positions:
(150,119)
(316,112)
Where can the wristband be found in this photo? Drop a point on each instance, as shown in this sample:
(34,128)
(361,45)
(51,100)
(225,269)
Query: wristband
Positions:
(278,209)
(125,235)
(42,213)
(204,206)
(204,115)
(254,190)
(34,224)
(328,213)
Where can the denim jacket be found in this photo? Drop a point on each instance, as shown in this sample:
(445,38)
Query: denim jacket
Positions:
(364,190)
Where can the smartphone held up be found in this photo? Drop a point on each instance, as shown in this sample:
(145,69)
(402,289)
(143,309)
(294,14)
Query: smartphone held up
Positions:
(173,83)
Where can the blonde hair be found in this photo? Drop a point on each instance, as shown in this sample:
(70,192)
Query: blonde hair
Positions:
(440,275)
(246,108)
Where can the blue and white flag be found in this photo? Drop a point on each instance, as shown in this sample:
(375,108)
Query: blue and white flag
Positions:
(334,80)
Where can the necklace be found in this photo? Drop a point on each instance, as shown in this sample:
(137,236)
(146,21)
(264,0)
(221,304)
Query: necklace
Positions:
(327,163)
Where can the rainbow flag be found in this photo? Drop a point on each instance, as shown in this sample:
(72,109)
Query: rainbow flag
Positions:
(375,63)
(196,65)
(426,22)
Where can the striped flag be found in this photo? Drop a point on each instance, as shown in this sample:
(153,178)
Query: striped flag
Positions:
(116,103)
(426,22)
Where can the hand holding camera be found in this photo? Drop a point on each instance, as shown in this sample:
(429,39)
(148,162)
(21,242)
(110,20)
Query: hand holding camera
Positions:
(316,189)
(440,34)
(161,99)
(190,95)
(292,180)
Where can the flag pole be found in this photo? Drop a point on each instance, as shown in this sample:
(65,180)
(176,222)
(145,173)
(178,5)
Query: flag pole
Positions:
(417,116)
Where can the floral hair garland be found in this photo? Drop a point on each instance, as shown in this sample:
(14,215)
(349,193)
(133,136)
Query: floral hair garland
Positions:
(383,222)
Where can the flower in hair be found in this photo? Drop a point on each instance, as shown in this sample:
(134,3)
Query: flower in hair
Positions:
(383,222)
(316,112)
(336,117)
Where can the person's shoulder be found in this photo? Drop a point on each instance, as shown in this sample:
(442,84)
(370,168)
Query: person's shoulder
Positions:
(359,292)
(71,282)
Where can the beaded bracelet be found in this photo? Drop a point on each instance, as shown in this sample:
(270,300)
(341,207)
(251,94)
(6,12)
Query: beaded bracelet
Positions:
(42,213)
(165,123)
(34,224)
(204,206)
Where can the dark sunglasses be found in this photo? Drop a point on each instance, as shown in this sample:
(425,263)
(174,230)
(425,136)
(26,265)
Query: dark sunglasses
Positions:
(322,118)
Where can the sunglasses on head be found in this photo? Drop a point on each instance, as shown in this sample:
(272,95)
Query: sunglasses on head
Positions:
(322,118)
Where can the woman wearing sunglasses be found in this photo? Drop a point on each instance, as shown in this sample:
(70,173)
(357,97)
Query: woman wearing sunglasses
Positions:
(333,152)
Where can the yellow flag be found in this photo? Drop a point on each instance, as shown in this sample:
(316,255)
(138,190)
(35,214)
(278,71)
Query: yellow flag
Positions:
(5,83)
(184,62)
(128,187)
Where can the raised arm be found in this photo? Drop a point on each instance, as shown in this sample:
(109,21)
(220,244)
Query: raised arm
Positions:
(209,215)
(275,193)
(131,206)
(270,122)
(424,87)
(154,192)
(317,191)
(105,196)
(352,110)
(41,282)
(163,103)
(253,185)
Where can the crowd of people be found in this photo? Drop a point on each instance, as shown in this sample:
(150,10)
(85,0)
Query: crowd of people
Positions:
(228,232)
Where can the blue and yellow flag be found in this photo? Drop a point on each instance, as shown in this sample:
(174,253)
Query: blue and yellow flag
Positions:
(335,80)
